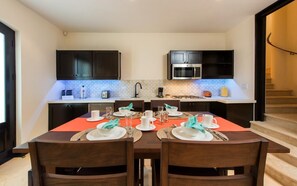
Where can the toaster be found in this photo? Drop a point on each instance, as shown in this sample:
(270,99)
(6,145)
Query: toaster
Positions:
(105,94)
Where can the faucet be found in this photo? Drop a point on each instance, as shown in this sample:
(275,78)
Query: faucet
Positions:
(136,93)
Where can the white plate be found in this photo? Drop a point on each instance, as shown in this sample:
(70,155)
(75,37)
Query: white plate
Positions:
(121,114)
(97,134)
(212,126)
(151,127)
(175,114)
(95,119)
(180,134)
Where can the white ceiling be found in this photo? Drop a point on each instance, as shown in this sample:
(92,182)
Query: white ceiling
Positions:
(146,15)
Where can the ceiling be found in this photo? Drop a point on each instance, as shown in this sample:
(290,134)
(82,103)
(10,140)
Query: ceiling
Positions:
(162,16)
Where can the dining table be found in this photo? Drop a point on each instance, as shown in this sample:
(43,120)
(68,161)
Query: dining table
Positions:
(147,143)
(148,146)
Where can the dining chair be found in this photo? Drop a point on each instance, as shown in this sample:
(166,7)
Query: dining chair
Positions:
(108,162)
(161,102)
(249,156)
(138,105)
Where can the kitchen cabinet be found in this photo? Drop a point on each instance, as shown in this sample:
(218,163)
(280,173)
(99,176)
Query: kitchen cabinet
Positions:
(184,56)
(61,113)
(194,106)
(218,64)
(74,65)
(87,65)
(240,113)
(106,65)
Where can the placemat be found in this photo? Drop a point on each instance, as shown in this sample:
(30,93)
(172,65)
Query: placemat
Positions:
(81,136)
(166,133)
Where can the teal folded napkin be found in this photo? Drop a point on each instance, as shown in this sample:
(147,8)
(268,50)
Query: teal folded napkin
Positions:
(129,107)
(111,124)
(169,106)
(193,123)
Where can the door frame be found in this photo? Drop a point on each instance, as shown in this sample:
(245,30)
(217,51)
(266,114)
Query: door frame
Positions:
(10,94)
(260,56)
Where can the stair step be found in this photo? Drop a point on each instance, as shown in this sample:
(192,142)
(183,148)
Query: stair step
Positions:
(281,108)
(268,80)
(291,157)
(268,181)
(275,131)
(286,121)
(281,99)
(281,171)
(269,86)
(278,92)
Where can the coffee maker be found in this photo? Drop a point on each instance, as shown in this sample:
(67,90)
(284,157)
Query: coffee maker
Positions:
(160,92)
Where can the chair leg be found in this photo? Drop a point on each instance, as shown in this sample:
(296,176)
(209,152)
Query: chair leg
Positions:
(30,178)
(156,181)
(139,172)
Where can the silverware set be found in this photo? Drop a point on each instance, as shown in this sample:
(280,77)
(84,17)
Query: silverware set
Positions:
(217,135)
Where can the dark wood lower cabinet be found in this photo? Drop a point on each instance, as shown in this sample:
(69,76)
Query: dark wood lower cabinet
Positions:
(241,113)
(61,113)
(194,106)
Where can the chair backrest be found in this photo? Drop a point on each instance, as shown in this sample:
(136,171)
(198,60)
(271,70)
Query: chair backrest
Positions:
(249,156)
(161,102)
(138,105)
(109,162)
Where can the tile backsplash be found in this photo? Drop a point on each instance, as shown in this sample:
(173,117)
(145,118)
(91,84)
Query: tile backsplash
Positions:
(125,88)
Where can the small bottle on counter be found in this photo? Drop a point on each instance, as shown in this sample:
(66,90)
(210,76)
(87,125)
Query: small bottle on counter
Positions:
(224,92)
(82,92)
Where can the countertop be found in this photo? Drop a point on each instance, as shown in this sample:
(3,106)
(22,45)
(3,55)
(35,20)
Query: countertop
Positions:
(226,100)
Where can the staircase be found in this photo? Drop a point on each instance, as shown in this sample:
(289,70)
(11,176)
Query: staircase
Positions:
(280,125)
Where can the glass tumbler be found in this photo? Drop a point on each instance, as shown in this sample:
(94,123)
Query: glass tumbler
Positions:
(163,117)
(128,119)
(160,110)
(108,113)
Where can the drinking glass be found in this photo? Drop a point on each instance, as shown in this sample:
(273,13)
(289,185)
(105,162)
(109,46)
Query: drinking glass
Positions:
(128,118)
(108,113)
(160,110)
(163,117)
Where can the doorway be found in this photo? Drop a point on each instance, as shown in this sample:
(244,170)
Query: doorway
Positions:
(260,56)
(7,93)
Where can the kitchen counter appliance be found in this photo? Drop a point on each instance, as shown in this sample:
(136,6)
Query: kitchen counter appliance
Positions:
(186,71)
(105,94)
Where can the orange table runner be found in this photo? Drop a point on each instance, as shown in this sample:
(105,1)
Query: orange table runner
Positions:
(80,124)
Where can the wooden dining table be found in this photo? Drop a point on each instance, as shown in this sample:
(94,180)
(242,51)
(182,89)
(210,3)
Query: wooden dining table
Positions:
(149,145)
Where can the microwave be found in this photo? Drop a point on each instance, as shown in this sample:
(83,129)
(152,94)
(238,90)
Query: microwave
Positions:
(186,71)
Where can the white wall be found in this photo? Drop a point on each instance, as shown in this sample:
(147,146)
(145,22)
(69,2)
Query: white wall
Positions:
(241,38)
(144,54)
(36,41)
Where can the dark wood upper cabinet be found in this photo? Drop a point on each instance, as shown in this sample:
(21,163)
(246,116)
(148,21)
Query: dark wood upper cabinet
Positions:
(218,64)
(88,65)
(106,65)
(74,64)
(184,56)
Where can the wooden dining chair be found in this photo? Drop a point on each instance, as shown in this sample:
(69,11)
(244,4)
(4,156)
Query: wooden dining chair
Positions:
(138,105)
(249,156)
(107,162)
(161,102)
